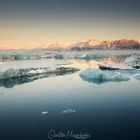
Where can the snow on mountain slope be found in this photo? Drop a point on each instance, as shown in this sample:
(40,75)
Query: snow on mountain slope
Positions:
(105,44)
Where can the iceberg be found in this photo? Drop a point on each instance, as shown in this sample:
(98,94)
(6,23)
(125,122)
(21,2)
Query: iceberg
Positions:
(99,76)
(114,67)
(33,67)
(14,73)
(91,56)
(20,72)
(12,77)
(32,64)
(133,61)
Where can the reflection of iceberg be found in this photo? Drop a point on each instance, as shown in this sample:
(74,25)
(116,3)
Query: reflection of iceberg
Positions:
(99,76)
(9,83)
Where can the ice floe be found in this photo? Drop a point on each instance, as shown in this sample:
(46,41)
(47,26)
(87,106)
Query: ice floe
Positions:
(114,67)
(32,64)
(44,112)
(33,67)
(98,76)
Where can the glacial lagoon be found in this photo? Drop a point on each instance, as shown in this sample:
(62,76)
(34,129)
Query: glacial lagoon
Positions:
(68,104)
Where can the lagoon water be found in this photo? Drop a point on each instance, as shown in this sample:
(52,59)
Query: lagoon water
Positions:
(106,111)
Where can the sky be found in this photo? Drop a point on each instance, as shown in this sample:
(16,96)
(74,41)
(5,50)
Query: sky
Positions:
(30,23)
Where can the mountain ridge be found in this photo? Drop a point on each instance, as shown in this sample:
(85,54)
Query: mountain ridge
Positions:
(88,45)
(105,44)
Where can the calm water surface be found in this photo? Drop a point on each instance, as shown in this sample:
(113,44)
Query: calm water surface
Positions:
(109,111)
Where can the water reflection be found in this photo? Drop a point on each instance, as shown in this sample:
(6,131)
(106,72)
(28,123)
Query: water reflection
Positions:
(105,111)
(99,81)
(83,64)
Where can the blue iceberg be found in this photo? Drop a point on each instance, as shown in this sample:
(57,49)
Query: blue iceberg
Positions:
(99,76)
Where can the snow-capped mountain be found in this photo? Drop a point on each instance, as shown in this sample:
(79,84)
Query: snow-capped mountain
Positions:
(87,45)
(54,46)
(77,46)
(103,45)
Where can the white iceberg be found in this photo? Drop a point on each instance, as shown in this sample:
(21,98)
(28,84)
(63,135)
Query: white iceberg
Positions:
(133,61)
(28,72)
(99,76)
(32,64)
(14,73)
(33,67)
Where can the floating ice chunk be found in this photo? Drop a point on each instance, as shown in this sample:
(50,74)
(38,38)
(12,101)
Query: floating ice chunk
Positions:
(114,67)
(44,112)
(99,76)
(15,73)
(130,63)
(67,111)
(133,61)
(32,64)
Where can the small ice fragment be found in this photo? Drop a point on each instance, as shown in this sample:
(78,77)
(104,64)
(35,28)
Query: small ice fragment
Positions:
(44,112)
(67,111)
